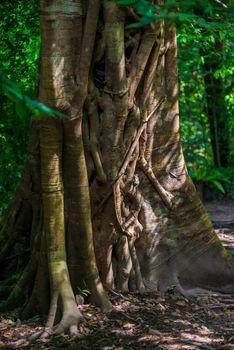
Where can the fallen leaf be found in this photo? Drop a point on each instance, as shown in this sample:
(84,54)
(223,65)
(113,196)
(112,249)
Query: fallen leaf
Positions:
(128,325)
(154,332)
(10,322)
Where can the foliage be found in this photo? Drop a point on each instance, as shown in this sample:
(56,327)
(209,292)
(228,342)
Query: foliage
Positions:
(176,11)
(19,52)
(197,45)
(216,178)
(23,102)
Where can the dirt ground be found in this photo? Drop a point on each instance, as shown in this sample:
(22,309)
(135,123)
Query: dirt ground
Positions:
(222,216)
(145,321)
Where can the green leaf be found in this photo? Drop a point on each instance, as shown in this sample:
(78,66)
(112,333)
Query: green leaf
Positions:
(24,102)
(126,2)
(21,110)
(10,322)
(218,185)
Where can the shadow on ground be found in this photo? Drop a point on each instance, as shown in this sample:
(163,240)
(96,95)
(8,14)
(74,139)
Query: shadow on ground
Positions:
(145,321)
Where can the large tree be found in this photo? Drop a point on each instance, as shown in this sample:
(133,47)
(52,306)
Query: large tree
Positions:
(105,200)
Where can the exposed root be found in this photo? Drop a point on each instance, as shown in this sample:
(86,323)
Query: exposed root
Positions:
(68,325)
(137,280)
(53,310)
(124,266)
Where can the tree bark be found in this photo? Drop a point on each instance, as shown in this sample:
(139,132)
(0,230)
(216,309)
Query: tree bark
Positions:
(113,204)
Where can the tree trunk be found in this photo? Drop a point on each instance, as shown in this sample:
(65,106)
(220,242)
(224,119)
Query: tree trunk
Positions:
(113,198)
(216,109)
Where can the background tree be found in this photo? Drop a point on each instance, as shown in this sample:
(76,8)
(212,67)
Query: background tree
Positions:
(206,99)
(119,142)
(214,75)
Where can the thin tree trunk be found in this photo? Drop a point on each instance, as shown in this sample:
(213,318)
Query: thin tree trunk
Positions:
(216,109)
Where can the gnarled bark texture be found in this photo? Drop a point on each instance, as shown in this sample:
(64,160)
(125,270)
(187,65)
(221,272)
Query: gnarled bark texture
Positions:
(105,199)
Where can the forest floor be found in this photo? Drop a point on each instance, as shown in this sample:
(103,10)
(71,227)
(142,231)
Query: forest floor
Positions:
(145,321)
